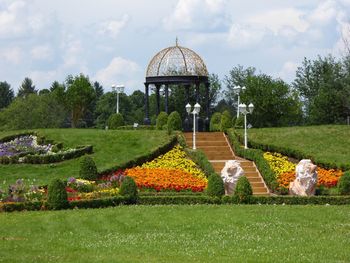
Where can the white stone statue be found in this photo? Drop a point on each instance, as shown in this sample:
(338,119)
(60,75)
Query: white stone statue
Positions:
(230,174)
(306,179)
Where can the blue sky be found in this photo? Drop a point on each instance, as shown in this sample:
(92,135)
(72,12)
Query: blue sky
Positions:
(112,41)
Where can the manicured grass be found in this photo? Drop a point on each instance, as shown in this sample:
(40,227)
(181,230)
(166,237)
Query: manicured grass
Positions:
(203,233)
(328,143)
(110,148)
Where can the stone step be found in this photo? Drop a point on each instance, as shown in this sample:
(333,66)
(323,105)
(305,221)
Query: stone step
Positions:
(220,156)
(256,185)
(207,143)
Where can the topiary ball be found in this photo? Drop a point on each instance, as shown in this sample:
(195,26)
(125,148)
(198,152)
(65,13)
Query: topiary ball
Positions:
(162,120)
(215,186)
(88,169)
(57,195)
(344,184)
(226,121)
(129,188)
(243,190)
(174,121)
(215,121)
(115,120)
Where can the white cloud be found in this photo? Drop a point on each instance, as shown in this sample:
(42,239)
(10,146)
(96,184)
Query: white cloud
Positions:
(203,15)
(12,55)
(245,36)
(119,70)
(324,13)
(288,70)
(43,52)
(112,28)
(277,20)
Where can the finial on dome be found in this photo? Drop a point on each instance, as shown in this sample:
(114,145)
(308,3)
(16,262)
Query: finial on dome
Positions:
(177,41)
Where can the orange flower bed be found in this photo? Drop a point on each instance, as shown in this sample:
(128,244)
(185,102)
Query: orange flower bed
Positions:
(166,179)
(327,178)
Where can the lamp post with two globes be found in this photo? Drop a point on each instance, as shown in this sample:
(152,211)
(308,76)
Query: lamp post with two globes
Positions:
(244,110)
(118,89)
(196,110)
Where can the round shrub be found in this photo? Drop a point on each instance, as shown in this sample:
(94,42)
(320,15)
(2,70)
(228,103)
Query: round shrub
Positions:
(239,123)
(215,122)
(57,195)
(115,120)
(88,169)
(215,186)
(174,121)
(344,184)
(162,120)
(243,190)
(129,188)
(226,121)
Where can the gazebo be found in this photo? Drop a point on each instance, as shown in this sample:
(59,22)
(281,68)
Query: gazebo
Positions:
(179,66)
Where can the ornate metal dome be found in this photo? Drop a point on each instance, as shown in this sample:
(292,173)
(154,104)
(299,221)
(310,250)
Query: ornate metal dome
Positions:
(176,61)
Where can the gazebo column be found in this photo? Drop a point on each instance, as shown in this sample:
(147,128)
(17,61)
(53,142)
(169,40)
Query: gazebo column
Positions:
(146,120)
(187,125)
(207,107)
(199,120)
(166,97)
(158,98)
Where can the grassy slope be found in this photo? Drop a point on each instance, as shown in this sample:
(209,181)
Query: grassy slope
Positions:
(329,143)
(110,148)
(178,234)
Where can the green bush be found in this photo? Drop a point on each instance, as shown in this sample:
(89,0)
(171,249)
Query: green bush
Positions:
(239,122)
(162,120)
(226,121)
(129,189)
(215,186)
(115,120)
(344,184)
(243,190)
(174,121)
(215,122)
(57,195)
(88,169)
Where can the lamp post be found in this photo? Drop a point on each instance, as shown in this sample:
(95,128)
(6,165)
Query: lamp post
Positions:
(238,89)
(244,110)
(118,89)
(196,110)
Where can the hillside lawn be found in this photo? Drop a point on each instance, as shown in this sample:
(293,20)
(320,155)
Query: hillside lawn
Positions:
(199,233)
(110,148)
(327,143)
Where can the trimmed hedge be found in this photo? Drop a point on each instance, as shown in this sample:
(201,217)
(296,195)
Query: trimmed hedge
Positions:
(57,195)
(139,160)
(88,169)
(199,157)
(344,184)
(115,120)
(184,199)
(162,120)
(243,190)
(174,122)
(257,156)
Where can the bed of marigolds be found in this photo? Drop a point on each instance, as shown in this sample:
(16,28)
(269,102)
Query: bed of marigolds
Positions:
(285,171)
(171,171)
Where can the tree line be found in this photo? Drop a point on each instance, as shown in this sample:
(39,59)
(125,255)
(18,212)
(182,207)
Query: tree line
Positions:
(320,94)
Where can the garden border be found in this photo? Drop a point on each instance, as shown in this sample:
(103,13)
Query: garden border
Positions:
(43,159)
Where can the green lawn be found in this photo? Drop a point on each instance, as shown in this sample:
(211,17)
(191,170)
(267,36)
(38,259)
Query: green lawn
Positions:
(203,233)
(110,148)
(328,143)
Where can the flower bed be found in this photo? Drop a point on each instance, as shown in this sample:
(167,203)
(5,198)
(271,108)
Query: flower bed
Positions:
(166,179)
(171,171)
(29,148)
(285,171)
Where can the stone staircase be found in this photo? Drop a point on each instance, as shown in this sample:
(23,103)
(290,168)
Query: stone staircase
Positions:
(218,151)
